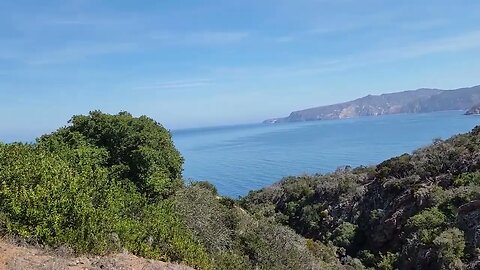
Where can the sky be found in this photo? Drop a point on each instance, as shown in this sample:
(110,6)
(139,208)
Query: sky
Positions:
(192,63)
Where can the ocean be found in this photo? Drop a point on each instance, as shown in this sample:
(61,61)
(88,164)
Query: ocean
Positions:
(237,159)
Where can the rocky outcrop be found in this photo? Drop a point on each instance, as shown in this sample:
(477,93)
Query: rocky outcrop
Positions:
(475,110)
(469,222)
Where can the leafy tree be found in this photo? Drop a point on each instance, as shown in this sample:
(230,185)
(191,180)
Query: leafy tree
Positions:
(82,187)
(139,149)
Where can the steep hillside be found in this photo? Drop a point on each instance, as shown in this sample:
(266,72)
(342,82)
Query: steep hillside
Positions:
(417,101)
(415,211)
(460,99)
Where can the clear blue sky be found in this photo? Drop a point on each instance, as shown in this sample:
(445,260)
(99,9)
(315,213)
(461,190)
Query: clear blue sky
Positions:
(200,63)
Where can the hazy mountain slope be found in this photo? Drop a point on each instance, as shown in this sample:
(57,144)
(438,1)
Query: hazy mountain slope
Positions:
(460,99)
(416,101)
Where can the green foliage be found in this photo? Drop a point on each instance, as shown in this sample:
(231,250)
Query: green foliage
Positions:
(397,167)
(344,234)
(231,261)
(450,245)
(69,189)
(356,264)
(427,223)
(206,185)
(367,258)
(237,240)
(276,247)
(326,253)
(398,185)
(139,149)
(388,261)
(210,221)
(465,179)
(304,202)
(46,201)
(427,219)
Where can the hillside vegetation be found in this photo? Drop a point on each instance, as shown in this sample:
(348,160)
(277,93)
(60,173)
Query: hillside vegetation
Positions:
(415,211)
(108,183)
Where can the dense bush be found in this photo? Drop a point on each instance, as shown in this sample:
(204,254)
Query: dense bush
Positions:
(344,234)
(388,261)
(68,190)
(309,204)
(450,245)
(237,240)
(139,149)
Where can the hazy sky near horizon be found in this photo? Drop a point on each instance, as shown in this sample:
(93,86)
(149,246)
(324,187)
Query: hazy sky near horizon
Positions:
(200,63)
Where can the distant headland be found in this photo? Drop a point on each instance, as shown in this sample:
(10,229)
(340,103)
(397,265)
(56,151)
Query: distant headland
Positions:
(414,101)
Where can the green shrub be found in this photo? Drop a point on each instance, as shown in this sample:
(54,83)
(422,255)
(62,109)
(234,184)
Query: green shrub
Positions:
(326,253)
(83,187)
(139,149)
(270,246)
(465,179)
(206,185)
(450,245)
(231,261)
(47,200)
(388,261)
(427,219)
(211,222)
(397,167)
(344,234)
(367,258)
(427,224)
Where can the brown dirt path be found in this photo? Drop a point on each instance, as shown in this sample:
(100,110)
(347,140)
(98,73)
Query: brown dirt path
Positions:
(15,257)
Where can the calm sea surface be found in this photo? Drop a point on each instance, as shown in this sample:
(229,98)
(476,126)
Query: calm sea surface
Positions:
(241,158)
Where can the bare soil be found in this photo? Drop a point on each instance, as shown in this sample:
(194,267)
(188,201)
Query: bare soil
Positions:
(15,257)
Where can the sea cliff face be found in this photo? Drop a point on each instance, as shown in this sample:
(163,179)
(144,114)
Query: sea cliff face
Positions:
(416,101)
(475,110)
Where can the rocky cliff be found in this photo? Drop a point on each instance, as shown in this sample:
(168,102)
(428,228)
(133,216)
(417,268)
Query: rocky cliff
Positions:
(475,110)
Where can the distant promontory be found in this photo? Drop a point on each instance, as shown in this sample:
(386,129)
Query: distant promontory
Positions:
(475,110)
(414,101)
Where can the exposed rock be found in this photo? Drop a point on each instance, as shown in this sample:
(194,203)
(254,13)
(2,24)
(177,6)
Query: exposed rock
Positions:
(475,110)
(469,221)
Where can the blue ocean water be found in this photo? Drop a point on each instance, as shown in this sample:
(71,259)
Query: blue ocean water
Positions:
(237,159)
